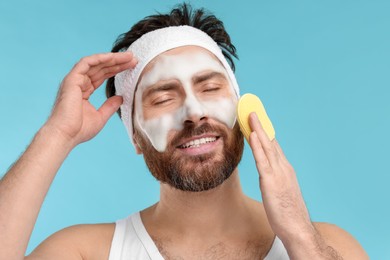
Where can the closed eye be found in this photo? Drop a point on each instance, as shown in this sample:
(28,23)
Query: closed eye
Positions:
(161,100)
(211,88)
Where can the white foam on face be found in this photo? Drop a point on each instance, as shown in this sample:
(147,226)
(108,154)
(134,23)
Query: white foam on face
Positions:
(182,67)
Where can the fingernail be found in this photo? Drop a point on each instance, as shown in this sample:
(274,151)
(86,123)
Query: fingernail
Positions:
(254,116)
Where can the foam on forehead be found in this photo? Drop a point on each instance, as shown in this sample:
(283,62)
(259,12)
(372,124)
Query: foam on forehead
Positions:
(151,45)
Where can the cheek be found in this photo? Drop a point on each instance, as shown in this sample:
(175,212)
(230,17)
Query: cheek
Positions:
(158,129)
(223,110)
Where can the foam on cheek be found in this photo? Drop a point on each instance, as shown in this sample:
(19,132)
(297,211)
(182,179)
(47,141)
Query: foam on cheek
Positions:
(182,67)
(223,109)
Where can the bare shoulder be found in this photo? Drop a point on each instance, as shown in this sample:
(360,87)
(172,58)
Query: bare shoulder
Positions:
(341,240)
(80,242)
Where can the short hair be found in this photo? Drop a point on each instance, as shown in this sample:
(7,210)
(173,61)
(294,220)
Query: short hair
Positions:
(182,14)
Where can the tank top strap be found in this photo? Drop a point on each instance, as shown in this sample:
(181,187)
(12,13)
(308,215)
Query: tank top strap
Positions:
(145,238)
(277,251)
(132,241)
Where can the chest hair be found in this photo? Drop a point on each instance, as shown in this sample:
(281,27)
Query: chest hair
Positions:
(221,250)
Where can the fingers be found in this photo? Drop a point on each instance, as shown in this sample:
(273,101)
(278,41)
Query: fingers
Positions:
(100,67)
(86,87)
(90,72)
(102,72)
(279,150)
(107,72)
(91,64)
(261,159)
(268,154)
(110,106)
(267,146)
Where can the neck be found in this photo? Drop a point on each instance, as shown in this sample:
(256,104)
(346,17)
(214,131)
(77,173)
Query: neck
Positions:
(218,209)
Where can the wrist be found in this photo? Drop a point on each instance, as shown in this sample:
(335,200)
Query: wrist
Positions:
(55,137)
(309,244)
(303,243)
(298,234)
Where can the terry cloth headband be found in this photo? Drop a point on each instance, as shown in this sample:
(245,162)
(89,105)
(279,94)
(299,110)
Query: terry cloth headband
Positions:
(150,45)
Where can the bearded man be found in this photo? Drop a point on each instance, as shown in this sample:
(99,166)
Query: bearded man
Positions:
(172,79)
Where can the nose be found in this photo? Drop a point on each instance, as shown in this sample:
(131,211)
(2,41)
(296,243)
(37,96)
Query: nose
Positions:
(194,111)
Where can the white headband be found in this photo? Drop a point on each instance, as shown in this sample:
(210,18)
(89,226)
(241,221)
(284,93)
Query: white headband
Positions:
(151,45)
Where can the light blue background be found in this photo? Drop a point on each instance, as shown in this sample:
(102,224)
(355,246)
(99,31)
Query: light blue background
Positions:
(320,67)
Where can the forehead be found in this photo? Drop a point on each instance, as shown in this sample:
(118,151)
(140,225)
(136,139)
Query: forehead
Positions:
(179,63)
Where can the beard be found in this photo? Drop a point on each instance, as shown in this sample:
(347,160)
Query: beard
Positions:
(198,172)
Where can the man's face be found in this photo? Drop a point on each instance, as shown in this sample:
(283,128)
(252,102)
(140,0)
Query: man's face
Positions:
(184,119)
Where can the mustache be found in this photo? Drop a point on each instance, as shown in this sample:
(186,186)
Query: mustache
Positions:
(193,130)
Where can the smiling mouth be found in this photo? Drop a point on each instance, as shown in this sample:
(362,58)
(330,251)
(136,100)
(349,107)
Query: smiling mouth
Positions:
(198,142)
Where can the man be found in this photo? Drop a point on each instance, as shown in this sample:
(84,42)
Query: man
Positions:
(177,95)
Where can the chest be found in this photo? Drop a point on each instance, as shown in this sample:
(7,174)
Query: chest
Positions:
(222,249)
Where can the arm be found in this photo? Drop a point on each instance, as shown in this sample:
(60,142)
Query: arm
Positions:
(73,120)
(286,210)
(78,242)
(345,243)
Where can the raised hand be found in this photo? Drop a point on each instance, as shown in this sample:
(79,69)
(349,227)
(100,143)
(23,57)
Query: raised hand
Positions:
(73,116)
(282,198)
(73,120)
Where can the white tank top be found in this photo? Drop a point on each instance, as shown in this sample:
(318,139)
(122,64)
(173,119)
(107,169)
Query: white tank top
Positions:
(132,241)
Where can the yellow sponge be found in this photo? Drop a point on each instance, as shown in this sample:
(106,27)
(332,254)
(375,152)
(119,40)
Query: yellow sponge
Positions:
(247,104)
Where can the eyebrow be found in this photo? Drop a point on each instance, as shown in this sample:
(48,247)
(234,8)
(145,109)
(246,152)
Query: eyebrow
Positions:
(206,76)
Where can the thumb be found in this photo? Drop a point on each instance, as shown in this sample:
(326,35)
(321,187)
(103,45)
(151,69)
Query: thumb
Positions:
(109,107)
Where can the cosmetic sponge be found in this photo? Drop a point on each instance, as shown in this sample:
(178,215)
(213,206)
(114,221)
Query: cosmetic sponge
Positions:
(247,104)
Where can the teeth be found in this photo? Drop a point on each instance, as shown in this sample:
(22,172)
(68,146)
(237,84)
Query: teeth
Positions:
(198,142)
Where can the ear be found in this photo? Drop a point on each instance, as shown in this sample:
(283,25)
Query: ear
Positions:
(138,149)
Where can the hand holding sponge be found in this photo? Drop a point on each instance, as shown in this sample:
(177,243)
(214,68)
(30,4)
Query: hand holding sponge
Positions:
(247,104)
